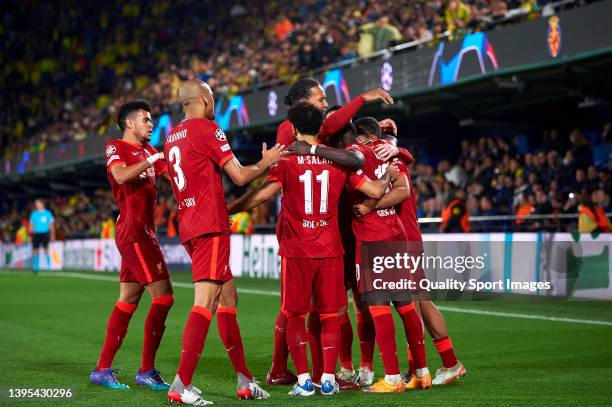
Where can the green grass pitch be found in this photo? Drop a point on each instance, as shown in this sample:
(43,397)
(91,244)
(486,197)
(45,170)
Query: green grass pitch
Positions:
(52,327)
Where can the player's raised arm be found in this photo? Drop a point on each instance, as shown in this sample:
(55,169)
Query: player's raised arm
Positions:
(123,173)
(243,175)
(254,197)
(349,159)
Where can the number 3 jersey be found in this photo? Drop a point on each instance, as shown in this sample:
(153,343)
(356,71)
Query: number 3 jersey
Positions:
(137,198)
(311,188)
(196,150)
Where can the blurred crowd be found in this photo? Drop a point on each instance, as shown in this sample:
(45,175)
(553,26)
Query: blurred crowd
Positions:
(67,66)
(492,178)
(490,175)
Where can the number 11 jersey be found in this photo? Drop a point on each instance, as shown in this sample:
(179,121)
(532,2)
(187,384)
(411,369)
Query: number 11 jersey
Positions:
(196,150)
(311,189)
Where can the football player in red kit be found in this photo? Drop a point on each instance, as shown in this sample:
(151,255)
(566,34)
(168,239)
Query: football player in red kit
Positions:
(197,150)
(131,167)
(434,321)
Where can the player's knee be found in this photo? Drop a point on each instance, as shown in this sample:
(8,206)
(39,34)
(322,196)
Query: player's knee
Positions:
(167,300)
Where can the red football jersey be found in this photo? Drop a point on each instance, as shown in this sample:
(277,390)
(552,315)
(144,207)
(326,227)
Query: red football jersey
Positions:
(407,210)
(196,150)
(136,199)
(382,224)
(309,207)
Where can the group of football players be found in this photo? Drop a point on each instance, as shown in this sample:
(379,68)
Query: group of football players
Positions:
(344,185)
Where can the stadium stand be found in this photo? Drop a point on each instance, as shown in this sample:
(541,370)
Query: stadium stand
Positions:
(65,80)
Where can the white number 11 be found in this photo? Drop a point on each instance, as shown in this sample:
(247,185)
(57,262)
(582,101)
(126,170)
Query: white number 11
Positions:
(323,178)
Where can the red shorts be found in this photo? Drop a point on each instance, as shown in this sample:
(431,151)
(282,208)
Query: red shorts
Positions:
(210,257)
(142,262)
(316,280)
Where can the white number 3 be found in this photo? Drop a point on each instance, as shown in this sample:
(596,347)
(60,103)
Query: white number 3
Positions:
(174,156)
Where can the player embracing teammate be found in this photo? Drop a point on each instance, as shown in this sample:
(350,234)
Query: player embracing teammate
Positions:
(310,244)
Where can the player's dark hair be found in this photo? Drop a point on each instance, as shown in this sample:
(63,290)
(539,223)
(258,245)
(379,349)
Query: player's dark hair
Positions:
(300,90)
(128,108)
(306,118)
(368,126)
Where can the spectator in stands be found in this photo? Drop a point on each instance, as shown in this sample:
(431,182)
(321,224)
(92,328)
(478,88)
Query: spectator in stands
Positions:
(455,216)
(592,218)
(457,16)
(383,34)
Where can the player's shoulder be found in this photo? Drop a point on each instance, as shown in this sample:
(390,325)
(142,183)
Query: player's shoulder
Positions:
(112,147)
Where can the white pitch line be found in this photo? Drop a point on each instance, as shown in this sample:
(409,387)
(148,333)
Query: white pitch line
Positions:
(277,294)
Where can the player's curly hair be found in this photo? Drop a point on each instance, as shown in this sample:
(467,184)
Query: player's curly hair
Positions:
(368,126)
(300,90)
(306,118)
(128,108)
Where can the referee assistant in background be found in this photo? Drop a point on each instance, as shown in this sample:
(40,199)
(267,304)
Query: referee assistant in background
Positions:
(42,231)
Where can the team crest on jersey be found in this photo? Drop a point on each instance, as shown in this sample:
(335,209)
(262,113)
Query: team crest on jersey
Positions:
(220,135)
(110,150)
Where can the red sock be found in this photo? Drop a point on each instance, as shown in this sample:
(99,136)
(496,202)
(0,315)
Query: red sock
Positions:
(446,351)
(385,337)
(154,329)
(330,341)
(297,338)
(414,334)
(411,367)
(346,342)
(315,342)
(115,332)
(229,331)
(366,335)
(280,354)
(194,337)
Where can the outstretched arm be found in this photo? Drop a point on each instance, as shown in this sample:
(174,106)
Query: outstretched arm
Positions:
(254,197)
(243,175)
(349,159)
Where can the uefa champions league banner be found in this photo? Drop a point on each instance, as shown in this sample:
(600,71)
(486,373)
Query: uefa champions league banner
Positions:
(555,265)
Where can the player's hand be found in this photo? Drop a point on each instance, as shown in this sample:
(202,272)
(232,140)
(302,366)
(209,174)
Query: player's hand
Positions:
(299,148)
(386,151)
(377,94)
(393,172)
(388,125)
(273,155)
(365,207)
(161,155)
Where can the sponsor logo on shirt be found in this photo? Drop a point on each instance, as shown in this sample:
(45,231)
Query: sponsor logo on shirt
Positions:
(313,224)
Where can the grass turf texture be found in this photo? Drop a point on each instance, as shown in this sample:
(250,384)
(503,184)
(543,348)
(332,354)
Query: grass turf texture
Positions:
(51,331)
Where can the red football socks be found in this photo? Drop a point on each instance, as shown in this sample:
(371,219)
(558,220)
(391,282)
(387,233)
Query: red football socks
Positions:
(330,340)
(414,335)
(385,337)
(115,332)
(297,339)
(411,367)
(281,352)
(346,342)
(446,351)
(154,329)
(229,331)
(194,337)
(366,335)
(314,340)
